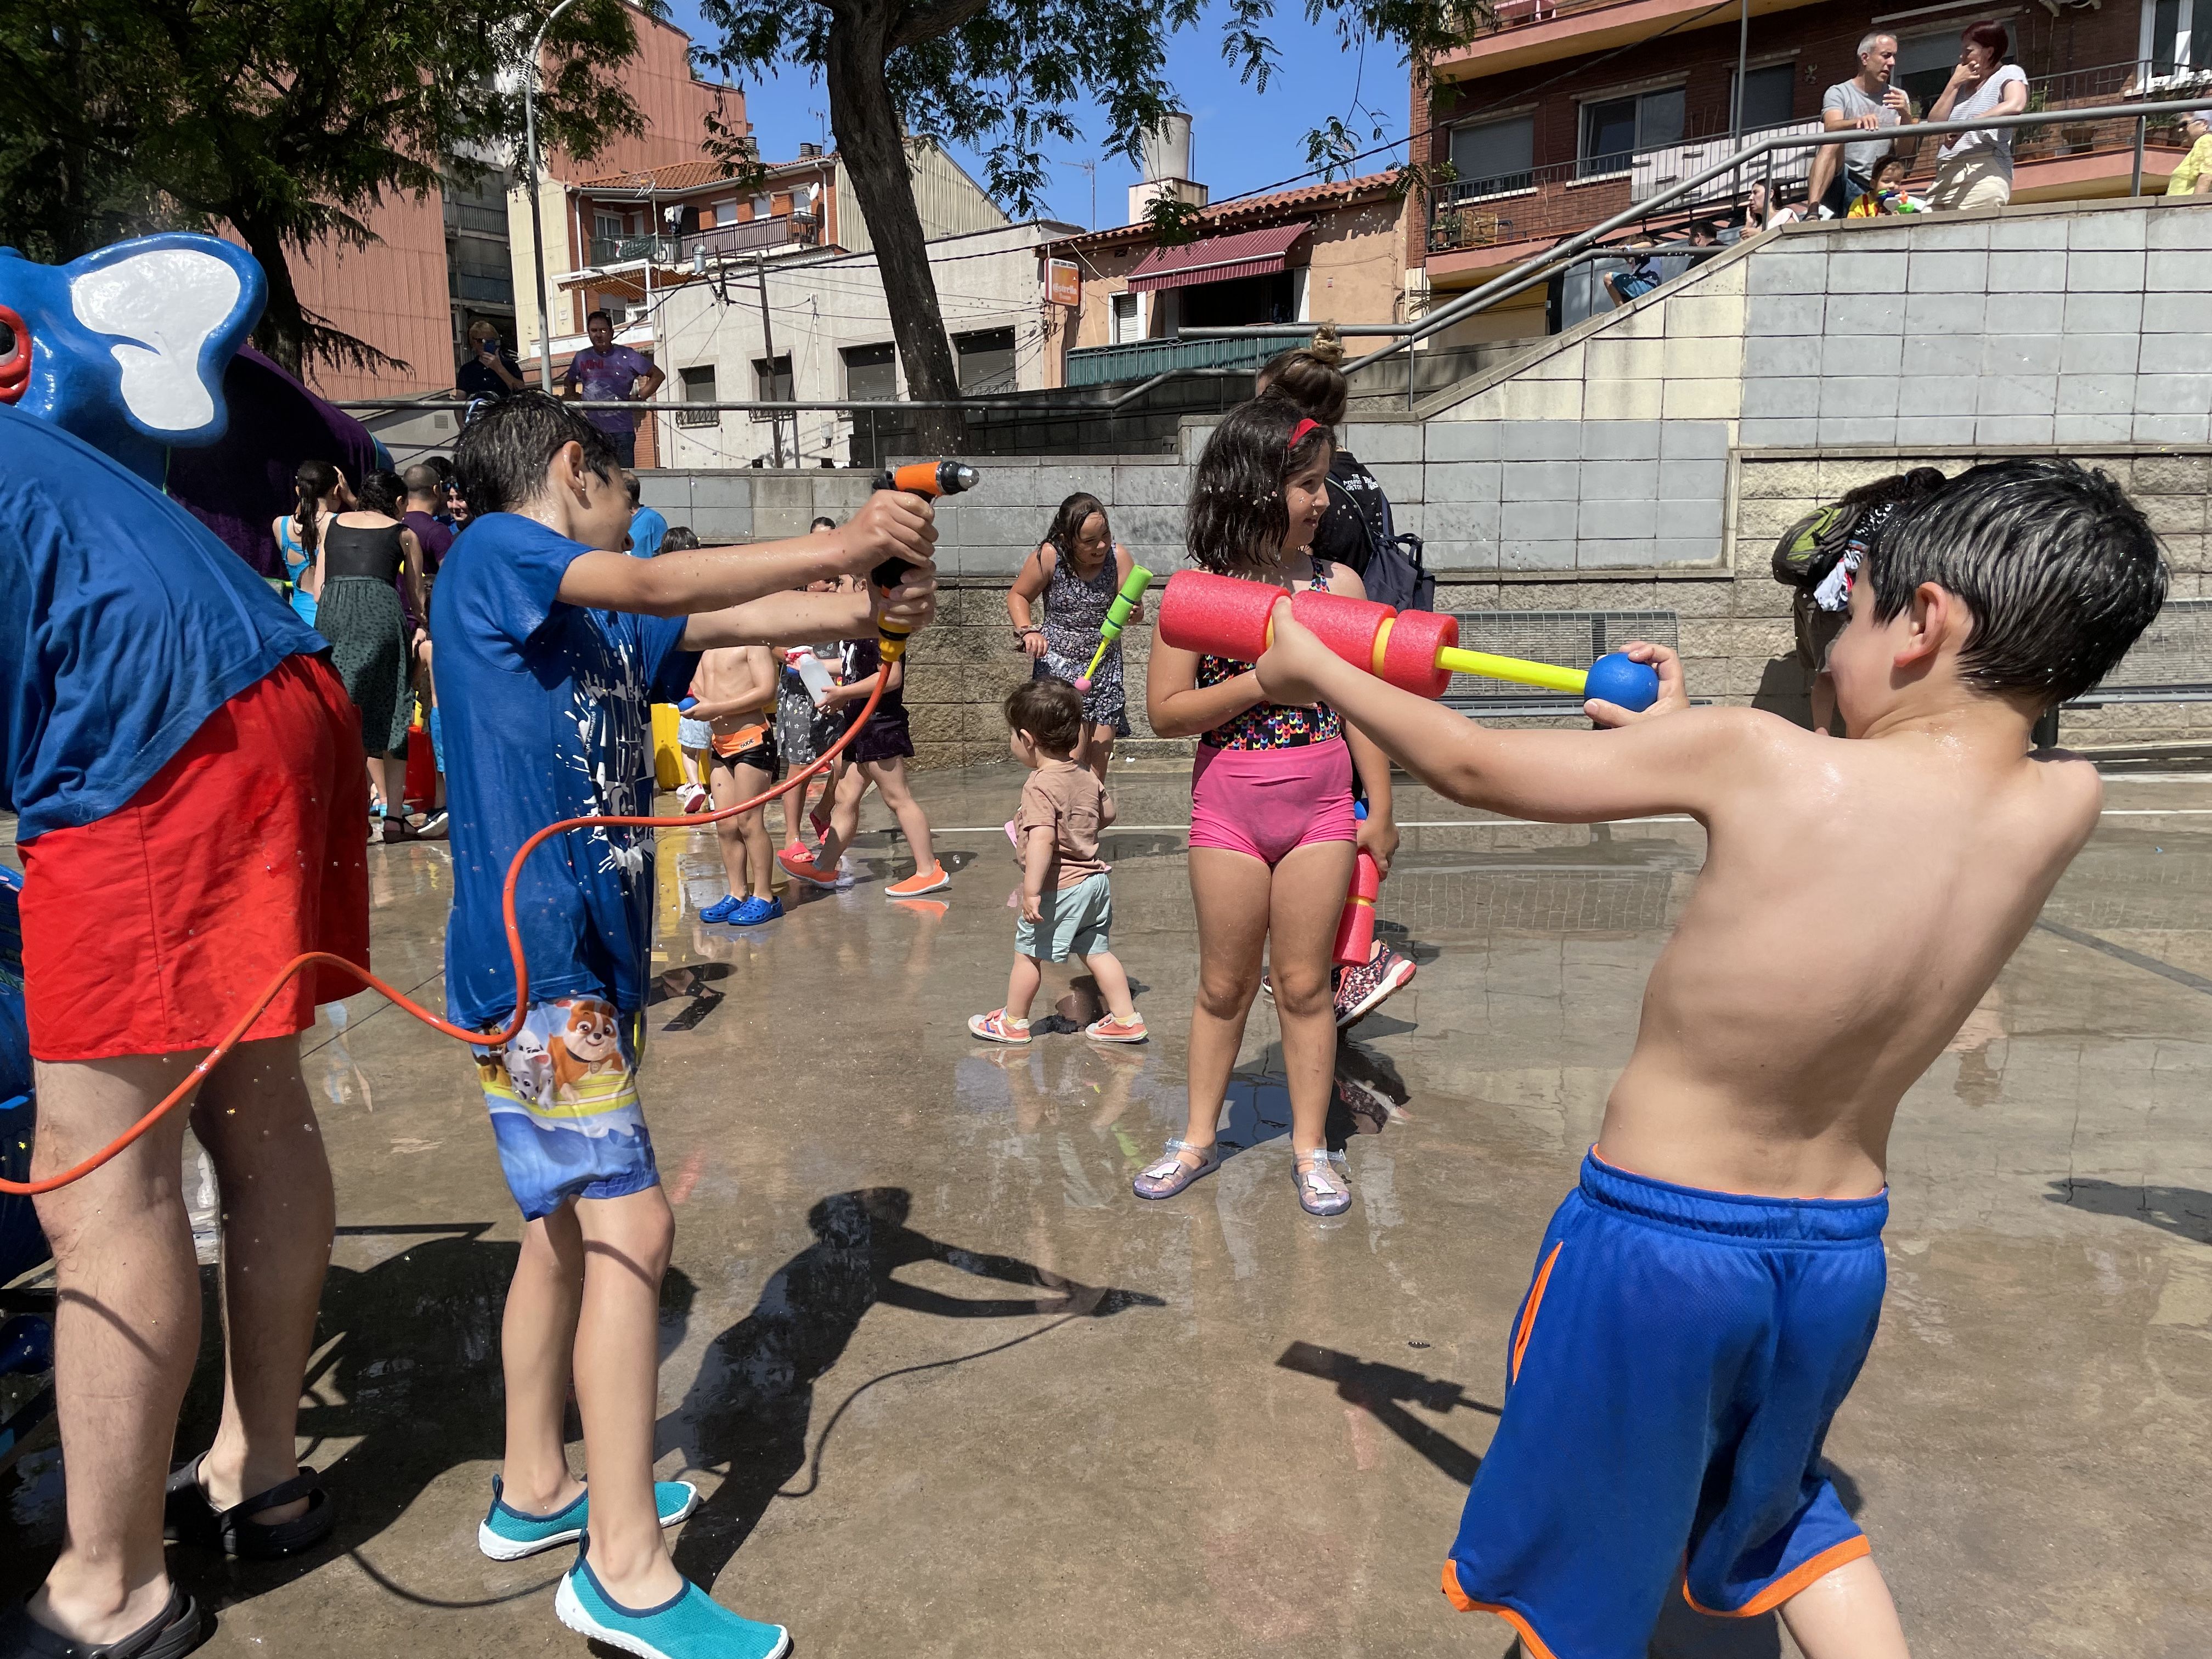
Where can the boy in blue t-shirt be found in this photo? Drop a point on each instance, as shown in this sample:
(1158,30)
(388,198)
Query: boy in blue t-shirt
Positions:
(552,649)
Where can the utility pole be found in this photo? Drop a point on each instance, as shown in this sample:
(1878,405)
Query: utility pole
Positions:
(537,229)
(768,339)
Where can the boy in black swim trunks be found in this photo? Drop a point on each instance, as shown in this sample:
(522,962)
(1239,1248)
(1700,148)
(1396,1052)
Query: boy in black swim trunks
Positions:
(1703,1299)
(736,691)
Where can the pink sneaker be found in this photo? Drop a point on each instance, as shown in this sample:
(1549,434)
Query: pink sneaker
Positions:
(995,1027)
(1110,1030)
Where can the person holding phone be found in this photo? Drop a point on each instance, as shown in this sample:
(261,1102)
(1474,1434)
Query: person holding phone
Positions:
(491,371)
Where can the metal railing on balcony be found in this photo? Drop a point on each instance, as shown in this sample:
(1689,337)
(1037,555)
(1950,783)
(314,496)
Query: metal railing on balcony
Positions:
(1557,199)
(624,250)
(751,236)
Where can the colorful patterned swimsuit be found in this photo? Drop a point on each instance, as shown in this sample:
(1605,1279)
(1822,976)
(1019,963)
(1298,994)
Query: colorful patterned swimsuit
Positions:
(1270,725)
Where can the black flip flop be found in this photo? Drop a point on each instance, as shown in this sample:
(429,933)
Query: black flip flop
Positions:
(172,1634)
(188,1518)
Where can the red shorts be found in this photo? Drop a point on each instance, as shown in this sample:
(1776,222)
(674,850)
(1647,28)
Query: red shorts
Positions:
(149,931)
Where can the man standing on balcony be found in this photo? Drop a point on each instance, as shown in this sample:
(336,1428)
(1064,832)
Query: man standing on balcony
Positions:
(1865,103)
(612,374)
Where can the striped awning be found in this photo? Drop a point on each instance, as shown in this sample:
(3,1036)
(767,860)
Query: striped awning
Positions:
(1216,259)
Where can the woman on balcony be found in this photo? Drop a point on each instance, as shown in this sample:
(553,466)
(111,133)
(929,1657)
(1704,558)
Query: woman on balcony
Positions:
(1974,169)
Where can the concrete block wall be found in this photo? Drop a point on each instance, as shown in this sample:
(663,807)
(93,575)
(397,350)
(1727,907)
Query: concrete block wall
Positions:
(1648,457)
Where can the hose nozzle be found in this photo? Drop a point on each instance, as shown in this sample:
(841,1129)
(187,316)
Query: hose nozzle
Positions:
(930,479)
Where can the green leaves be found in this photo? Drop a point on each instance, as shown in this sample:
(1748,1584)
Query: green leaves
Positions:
(286,120)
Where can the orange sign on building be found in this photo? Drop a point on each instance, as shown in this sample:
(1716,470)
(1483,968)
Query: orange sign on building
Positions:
(1063,283)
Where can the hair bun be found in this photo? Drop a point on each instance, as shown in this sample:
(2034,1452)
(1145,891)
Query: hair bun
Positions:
(1327,348)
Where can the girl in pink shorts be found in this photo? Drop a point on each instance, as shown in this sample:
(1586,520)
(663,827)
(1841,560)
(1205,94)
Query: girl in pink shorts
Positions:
(1272,831)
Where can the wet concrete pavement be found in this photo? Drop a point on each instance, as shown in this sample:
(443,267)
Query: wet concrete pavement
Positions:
(952,1390)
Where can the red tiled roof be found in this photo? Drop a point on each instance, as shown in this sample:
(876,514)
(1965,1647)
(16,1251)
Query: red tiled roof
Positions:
(1216,259)
(1305,203)
(691,175)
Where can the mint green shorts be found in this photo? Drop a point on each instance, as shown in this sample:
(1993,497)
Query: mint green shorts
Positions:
(1075,922)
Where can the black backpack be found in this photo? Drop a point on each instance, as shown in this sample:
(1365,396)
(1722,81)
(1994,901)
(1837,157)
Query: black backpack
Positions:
(1396,574)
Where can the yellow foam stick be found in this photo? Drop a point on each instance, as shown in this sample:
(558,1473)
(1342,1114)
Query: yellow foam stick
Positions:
(1517,669)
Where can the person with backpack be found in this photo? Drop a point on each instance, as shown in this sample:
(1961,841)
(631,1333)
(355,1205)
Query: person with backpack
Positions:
(1356,531)
(1819,556)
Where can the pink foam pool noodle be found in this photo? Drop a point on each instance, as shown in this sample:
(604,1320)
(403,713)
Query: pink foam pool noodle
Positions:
(1217,615)
(1347,626)
(1409,655)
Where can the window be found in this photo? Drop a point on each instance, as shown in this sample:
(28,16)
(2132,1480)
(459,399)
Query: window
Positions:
(698,388)
(761,208)
(1768,96)
(987,360)
(1615,129)
(1493,157)
(772,384)
(872,373)
(725,213)
(1126,321)
(1924,64)
(2179,36)
(614,304)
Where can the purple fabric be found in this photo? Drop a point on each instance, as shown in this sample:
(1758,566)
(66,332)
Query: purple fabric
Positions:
(435,539)
(238,484)
(607,376)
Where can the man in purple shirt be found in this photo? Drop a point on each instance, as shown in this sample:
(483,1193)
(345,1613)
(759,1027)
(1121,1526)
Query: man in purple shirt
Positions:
(609,373)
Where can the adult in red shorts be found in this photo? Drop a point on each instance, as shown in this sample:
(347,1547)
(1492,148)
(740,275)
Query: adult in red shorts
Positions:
(192,816)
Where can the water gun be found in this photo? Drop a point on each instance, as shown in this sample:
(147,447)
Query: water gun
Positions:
(1355,925)
(930,479)
(1416,651)
(1117,617)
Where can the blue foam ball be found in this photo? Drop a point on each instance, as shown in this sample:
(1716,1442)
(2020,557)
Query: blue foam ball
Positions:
(1619,678)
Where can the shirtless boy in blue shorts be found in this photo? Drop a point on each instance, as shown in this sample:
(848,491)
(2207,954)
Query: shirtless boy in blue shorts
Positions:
(1703,1301)
(552,649)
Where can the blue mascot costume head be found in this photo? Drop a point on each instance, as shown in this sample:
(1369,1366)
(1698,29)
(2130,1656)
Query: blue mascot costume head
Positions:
(126,348)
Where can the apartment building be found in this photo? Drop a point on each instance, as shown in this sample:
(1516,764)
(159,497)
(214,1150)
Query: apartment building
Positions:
(1323,252)
(1563,112)
(447,261)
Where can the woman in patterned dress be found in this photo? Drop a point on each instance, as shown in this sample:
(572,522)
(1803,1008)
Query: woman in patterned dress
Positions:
(1076,570)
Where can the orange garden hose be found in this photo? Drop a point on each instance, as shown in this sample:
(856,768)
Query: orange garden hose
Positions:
(487,1039)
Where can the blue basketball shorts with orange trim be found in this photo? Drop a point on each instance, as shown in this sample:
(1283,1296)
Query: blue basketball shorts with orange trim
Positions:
(1670,1376)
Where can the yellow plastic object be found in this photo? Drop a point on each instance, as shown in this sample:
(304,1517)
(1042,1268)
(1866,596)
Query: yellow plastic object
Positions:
(667,770)
(1515,669)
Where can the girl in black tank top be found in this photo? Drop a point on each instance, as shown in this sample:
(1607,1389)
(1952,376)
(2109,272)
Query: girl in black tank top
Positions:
(358,610)
(353,550)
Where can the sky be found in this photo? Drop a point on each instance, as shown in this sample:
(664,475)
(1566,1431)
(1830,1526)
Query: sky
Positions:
(1241,140)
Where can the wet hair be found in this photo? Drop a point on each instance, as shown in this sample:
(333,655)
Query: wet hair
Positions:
(1067,524)
(2059,568)
(381,491)
(1990,36)
(423,479)
(313,481)
(1237,519)
(629,483)
(1812,546)
(506,453)
(602,315)
(680,538)
(1309,378)
(825,522)
(1050,710)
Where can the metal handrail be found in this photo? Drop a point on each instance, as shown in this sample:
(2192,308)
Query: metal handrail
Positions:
(1538,267)
(865,405)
